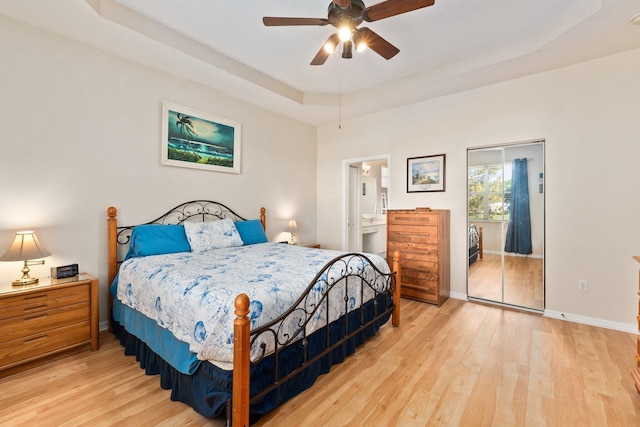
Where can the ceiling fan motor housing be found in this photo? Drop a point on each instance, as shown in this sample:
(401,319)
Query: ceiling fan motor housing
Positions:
(351,16)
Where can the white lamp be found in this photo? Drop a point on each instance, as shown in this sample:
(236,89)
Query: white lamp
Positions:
(293,226)
(25,247)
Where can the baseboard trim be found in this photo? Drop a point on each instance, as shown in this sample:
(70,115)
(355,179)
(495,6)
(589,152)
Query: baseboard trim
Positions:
(575,318)
(592,321)
(458,295)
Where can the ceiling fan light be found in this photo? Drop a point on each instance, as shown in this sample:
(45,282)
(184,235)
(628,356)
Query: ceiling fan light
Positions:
(344,34)
(346,50)
(359,42)
(329,48)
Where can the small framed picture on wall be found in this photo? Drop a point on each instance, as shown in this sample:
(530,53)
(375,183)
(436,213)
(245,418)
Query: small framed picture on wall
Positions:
(426,173)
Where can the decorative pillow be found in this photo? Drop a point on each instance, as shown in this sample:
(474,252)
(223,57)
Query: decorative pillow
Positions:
(157,239)
(251,231)
(204,236)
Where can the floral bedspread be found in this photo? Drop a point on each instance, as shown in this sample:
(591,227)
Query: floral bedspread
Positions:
(192,294)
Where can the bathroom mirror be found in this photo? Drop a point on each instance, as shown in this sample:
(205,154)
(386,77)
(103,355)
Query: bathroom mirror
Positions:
(505,215)
(368,195)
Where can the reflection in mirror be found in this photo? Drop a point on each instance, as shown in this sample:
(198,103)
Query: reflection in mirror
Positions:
(369,195)
(506,224)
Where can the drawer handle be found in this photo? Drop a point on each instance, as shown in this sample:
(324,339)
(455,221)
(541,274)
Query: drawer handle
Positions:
(29,341)
(40,316)
(35,307)
(35,297)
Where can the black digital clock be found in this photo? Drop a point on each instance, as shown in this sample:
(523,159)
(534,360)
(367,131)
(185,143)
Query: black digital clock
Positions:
(64,271)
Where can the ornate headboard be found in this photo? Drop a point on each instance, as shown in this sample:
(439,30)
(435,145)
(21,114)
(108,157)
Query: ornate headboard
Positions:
(196,210)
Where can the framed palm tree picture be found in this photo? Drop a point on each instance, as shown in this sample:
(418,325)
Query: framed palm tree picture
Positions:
(198,140)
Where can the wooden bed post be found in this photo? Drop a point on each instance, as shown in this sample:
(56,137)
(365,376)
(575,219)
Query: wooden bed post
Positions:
(480,245)
(112,224)
(241,350)
(112,264)
(395,316)
(263,218)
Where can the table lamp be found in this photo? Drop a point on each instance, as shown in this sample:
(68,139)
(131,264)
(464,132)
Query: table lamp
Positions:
(293,225)
(25,247)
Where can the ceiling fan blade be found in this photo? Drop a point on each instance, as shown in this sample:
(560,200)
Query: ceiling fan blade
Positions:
(377,43)
(322,54)
(390,8)
(271,21)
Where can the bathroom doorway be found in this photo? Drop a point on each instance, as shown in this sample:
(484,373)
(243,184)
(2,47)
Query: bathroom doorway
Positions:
(366,197)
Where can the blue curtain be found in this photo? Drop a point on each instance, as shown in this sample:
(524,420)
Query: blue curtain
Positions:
(519,230)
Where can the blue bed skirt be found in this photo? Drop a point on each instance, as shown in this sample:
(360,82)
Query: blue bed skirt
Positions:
(474,251)
(209,388)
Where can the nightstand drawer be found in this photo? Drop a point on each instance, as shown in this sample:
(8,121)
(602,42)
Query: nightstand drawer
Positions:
(36,302)
(21,350)
(19,327)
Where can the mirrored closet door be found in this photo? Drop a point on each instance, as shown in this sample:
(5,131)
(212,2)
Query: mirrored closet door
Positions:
(505,215)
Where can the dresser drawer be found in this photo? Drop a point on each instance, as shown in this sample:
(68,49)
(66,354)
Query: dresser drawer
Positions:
(416,217)
(24,349)
(37,302)
(414,250)
(414,233)
(418,276)
(19,327)
(425,291)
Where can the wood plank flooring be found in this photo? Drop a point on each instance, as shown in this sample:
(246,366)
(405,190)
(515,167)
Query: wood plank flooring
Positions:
(523,280)
(463,364)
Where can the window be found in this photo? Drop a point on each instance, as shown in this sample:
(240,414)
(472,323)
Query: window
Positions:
(489,192)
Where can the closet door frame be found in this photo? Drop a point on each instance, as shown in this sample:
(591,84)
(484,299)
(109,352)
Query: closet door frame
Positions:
(510,292)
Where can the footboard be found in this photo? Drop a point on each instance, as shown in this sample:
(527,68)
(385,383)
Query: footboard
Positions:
(352,282)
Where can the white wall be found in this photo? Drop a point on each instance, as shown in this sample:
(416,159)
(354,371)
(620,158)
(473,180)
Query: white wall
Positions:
(81,131)
(588,114)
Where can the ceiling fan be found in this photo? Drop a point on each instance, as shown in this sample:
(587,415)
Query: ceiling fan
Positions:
(346,15)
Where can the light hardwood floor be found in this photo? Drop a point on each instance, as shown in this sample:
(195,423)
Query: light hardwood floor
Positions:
(463,364)
(523,280)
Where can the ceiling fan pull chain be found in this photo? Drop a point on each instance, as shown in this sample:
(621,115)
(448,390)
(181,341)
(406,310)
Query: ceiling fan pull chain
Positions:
(339,95)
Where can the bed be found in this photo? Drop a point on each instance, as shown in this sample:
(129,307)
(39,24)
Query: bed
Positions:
(227,326)
(475,243)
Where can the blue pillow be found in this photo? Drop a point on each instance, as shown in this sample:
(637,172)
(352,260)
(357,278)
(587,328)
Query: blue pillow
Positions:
(251,231)
(157,239)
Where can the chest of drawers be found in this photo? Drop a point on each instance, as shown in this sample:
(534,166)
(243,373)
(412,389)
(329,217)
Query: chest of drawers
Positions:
(422,237)
(47,319)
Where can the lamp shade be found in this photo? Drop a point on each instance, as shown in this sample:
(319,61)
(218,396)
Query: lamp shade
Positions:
(25,246)
(293,225)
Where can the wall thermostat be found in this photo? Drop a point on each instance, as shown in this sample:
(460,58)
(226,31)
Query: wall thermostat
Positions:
(64,271)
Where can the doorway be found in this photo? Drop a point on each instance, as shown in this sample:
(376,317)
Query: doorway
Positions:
(506,224)
(366,194)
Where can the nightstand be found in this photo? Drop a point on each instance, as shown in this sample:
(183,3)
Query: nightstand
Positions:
(47,319)
(310,245)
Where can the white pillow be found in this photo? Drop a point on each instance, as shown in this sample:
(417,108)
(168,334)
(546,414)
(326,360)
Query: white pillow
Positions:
(204,236)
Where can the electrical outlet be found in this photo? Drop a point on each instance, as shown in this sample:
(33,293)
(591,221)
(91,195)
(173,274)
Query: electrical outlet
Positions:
(583,285)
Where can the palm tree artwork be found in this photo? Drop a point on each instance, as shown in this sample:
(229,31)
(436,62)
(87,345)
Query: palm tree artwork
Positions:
(193,139)
(185,124)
